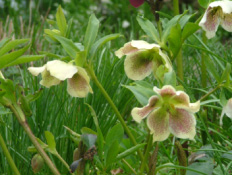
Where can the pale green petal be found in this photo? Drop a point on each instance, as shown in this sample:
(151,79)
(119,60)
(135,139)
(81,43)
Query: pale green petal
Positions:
(182,124)
(61,70)
(78,85)
(225,5)
(36,70)
(192,108)
(126,50)
(140,113)
(180,99)
(48,80)
(166,60)
(227,22)
(138,65)
(143,45)
(227,110)
(158,123)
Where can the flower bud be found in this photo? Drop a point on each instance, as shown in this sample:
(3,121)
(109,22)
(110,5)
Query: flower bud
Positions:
(37,163)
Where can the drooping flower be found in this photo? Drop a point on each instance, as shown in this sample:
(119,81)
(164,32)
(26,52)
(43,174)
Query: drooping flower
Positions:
(142,59)
(169,111)
(227,109)
(136,3)
(217,13)
(56,71)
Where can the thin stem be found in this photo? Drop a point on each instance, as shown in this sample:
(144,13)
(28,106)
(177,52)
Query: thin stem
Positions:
(63,161)
(148,148)
(8,156)
(129,166)
(111,103)
(153,160)
(209,93)
(176,9)
(20,115)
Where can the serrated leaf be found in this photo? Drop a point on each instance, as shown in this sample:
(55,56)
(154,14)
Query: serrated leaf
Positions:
(188,30)
(50,141)
(11,45)
(112,153)
(91,32)
(101,42)
(68,45)
(61,21)
(174,39)
(142,91)
(25,59)
(10,57)
(149,28)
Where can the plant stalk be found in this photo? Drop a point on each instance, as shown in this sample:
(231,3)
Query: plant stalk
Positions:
(8,156)
(111,103)
(209,93)
(20,115)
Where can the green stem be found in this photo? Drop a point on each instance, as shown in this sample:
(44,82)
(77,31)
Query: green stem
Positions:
(8,156)
(209,93)
(21,118)
(63,161)
(148,148)
(111,103)
(176,9)
(129,166)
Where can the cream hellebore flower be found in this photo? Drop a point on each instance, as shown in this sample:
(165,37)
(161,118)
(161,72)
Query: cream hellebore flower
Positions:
(169,111)
(227,110)
(218,12)
(142,59)
(56,71)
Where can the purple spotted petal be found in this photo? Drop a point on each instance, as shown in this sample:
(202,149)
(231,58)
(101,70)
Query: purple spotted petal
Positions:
(140,113)
(158,123)
(167,91)
(182,124)
(126,50)
(138,65)
(180,99)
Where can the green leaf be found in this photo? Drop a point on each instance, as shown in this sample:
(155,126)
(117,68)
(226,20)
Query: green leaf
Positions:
(35,96)
(174,40)
(211,68)
(129,151)
(8,88)
(170,78)
(80,58)
(204,3)
(142,91)
(25,59)
(223,99)
(50,141)
(115,134)
(91,32)
(70,22)
(89,139)
(10,57)
(11,45)
(4,41)
(86,130)
(149,28)
(188,30)
(101,42)
(227,155)
(33,149)
(226,74)
(61,21)
(68,45)
(204,167)
(112,153)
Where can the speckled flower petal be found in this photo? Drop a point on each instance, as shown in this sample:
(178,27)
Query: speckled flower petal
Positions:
(167,91)
(227,110)
(78,85)
(180,99)
(158,123)
(227,21)
(48,80)
(36,70)
(166,60)
(126,50)
(210,22)
(61,70)
(138,65)
(182,124)
(140,113)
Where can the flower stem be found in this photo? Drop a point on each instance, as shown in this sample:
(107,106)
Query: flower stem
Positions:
(8,156)
(20,115)
(111,103)
(148,148)
(209,93)
(63,161)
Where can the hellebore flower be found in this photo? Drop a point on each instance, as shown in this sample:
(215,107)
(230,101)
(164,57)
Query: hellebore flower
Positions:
(218,12)
(136,3)
(227,110)
(142,59)
(169,111)
(56,71)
